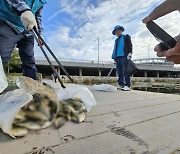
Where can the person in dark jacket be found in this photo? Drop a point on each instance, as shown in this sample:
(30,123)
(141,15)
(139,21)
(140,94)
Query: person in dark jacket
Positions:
(17,19)
(121,54)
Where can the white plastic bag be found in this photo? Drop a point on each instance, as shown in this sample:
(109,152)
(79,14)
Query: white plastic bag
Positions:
(105,87)
(34,87)
(3,80)
(10,104)
(81,92)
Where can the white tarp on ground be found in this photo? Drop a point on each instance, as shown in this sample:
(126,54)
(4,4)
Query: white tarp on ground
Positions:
(78,91)
(3,80)
(105,87)
(10,104)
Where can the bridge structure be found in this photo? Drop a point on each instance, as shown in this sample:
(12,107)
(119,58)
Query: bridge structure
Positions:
(153,67)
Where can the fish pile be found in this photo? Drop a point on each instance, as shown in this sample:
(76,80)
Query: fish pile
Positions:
(44,109)
(37,114)
(42,113)
(70,110)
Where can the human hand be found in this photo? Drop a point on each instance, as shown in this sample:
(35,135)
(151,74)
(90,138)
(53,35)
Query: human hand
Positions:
(40,41)
(146,19)
(172,55)
(129,56)
(28,20)
(163,9)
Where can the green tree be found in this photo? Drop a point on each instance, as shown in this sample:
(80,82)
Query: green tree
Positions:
(15,61)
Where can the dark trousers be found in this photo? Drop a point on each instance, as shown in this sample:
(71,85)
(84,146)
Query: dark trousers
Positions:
(55,79)
(8,40)
(121,63)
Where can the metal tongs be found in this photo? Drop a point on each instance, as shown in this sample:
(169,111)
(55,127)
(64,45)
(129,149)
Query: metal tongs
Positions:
(167,41)
(38,38)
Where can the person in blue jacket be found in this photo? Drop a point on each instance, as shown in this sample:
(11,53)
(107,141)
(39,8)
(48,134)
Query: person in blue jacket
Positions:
(121,54)
(17,19)
(55,76)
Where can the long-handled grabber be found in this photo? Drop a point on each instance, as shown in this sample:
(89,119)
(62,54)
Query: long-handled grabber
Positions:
(38,38)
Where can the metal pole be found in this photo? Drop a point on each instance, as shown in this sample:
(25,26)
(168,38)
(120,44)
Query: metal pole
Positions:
(98,50)
(148,51)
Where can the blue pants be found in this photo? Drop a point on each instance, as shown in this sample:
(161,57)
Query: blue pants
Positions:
(8,40)
(121,63)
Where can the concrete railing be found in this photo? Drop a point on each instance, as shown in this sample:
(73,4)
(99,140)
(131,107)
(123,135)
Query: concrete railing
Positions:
(143,64)
(137,61)
(77,61)
(153,60)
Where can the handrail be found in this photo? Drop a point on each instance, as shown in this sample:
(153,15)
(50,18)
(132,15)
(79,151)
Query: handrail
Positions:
(152,60)
(147,62)
(79,61)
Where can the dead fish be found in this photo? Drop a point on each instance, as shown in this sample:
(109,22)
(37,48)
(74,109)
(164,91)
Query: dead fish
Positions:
(29,125)
(76,103)
(46,124)
(67,115)
(45,109)
(32,107)
(82,109)
(59,122)
(79,117)
(20,116)
(53,106)
(69,108)
(37,115)
(79,106)
(18,132)
(61,114)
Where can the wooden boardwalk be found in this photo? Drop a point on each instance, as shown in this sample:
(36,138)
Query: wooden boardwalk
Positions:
(132,122)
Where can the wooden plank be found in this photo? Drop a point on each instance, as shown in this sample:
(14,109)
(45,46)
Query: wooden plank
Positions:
(72,131)
(122,106)
(97,124)
(38,140)
(111,98)
(162,134)
(137,115)
(107,143)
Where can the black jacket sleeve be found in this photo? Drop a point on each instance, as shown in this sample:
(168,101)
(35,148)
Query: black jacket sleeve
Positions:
(38,16)
(129,44)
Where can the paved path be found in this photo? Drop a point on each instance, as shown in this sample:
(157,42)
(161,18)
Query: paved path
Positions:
(122,123)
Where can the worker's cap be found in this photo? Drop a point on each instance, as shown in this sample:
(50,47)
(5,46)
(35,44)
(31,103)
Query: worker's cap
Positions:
(116,28)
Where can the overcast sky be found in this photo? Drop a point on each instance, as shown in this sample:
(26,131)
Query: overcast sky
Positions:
(71,26)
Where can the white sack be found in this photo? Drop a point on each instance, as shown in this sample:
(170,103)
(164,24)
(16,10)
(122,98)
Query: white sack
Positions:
(3,80)
(81,92)
(10,105)
(104,87)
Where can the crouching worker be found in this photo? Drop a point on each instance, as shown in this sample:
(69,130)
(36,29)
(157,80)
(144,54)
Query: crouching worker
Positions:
(17,18)
(121,54)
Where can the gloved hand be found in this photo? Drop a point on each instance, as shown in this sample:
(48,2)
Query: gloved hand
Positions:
(28,20)
(40,42)
(129,56)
